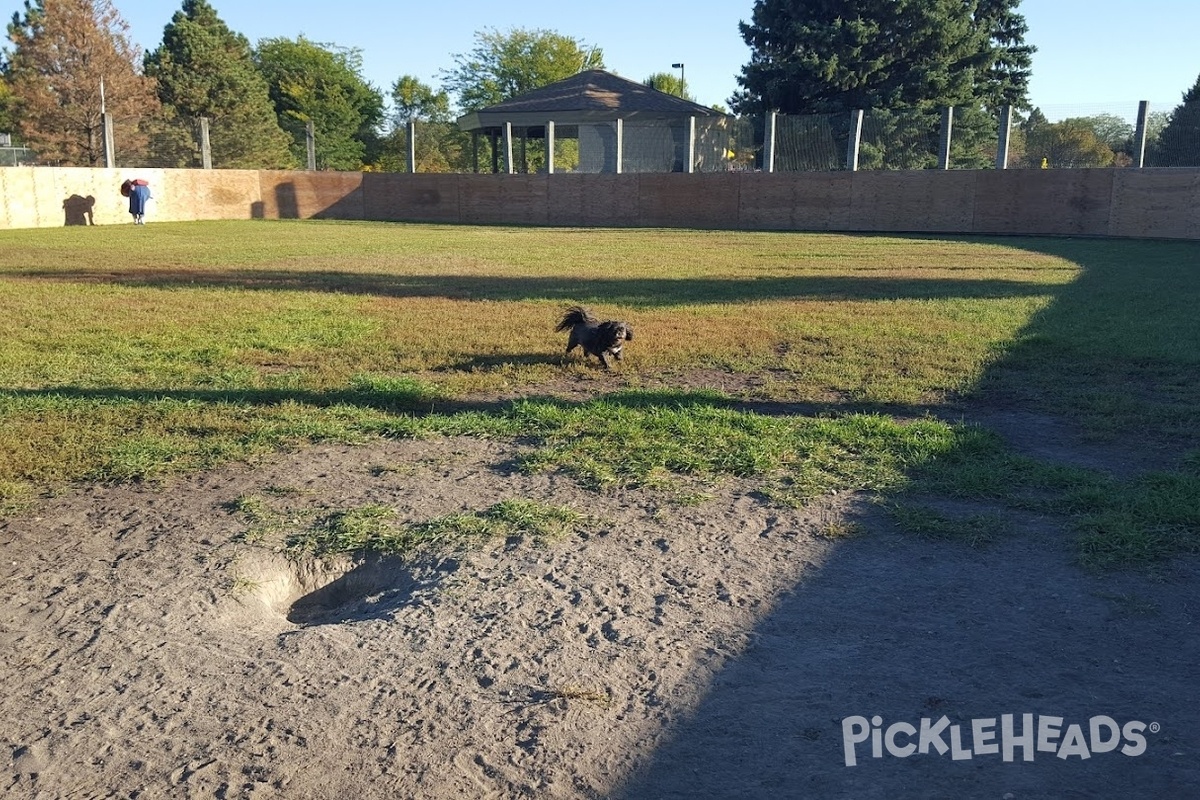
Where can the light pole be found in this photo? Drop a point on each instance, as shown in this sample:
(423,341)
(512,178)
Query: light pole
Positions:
(682,82)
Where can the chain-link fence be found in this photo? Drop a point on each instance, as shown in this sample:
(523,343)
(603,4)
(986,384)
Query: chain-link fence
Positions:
(17,157)
(1130,135)
(1058,137)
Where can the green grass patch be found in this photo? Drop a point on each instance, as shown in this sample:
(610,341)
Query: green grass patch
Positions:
(373,529)
(198,343)
(975,530)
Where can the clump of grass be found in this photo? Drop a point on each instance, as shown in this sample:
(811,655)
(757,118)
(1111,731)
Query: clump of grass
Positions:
(1131,605)
(371,529)
(975,530)
(596,697)
(263,521)
(839,529)
(1140,522)
(14,497)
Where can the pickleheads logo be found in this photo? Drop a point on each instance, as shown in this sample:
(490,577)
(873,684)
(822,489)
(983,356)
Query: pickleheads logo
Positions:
(1030,734)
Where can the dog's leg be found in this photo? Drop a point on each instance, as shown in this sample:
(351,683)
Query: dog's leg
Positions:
(604,361)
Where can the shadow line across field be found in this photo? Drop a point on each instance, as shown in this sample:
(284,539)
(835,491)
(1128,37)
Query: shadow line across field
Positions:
(633,292)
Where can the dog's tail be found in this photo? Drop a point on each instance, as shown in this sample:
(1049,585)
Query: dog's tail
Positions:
(576,315)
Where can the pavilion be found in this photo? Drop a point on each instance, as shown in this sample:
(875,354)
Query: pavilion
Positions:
(615,125)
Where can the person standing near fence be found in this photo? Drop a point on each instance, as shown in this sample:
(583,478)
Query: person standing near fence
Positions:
(138,192)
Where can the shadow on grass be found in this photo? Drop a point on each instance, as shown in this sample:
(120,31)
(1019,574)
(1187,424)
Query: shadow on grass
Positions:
(915,630)
(1118,350)
(635,292)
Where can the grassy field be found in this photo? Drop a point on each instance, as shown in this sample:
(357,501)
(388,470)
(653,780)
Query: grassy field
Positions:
(132,353)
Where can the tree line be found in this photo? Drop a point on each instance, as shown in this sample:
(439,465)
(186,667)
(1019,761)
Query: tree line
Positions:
(66,61)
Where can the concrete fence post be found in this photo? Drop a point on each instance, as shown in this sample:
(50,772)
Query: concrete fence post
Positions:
(946,137)
(620,143)
(769,142)
(691,145)
(1005,132)
(508,148)
(1139,136)
(852,147)
(110,150)
(205,145)
(412,147)
(310,137)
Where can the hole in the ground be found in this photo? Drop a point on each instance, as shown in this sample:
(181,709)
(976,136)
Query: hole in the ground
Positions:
(313,592)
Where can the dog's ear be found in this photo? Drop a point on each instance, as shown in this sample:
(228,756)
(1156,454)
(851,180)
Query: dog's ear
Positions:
(628,334)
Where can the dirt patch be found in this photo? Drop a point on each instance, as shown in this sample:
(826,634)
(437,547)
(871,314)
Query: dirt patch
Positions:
(715,650)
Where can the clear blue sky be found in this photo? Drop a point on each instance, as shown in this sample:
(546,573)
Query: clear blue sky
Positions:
(1093,55)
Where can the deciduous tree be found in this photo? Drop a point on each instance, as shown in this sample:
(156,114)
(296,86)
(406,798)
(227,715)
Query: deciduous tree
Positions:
(68,60)
(8,104)
(668,83)
(506,64)
(1071,143)
(204,69)
(440,145)
(323,84)
(414,100)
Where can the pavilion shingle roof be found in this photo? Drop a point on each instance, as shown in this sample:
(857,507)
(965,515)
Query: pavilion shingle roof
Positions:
(592,94)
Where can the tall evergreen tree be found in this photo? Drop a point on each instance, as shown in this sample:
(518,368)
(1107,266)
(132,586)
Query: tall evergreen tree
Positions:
(1006,64)
(322,84)
(204,69)
(824,56)
(69,59)
(1178,144)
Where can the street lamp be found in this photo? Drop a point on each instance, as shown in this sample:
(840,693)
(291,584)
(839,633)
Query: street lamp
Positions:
(682,82)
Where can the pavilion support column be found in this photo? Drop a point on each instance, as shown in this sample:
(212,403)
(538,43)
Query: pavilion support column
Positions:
(550,147)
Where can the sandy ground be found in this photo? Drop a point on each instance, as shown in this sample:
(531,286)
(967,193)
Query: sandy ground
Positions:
(665,651)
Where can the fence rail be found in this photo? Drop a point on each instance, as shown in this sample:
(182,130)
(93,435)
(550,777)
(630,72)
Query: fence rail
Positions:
(871,139)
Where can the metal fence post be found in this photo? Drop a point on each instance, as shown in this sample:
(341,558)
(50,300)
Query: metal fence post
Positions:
(550,147)
(1139,137)
(946,136)
(310,136)
(856,122)
(1005,133)
(412,147)
(769,144)
(205,145)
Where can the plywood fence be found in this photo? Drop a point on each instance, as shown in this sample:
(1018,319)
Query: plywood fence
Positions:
(1160,203)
